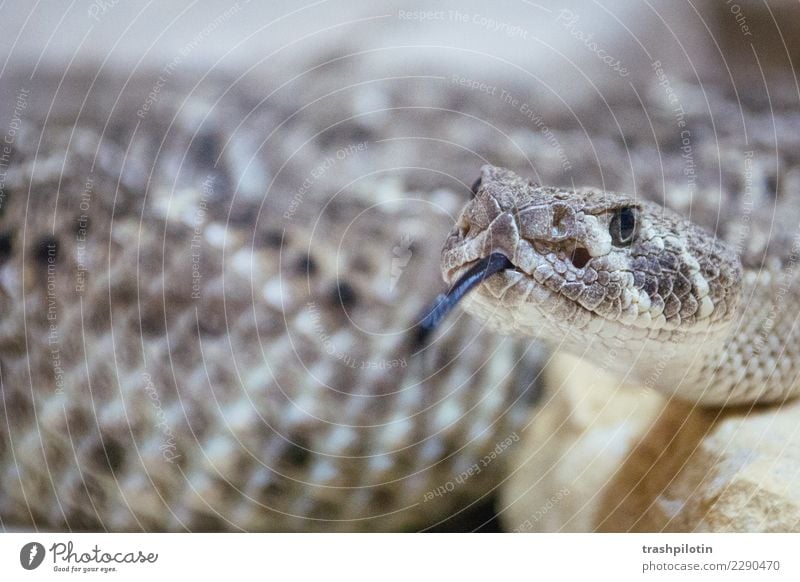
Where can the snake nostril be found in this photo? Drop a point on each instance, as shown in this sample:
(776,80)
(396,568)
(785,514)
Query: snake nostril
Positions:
(580,256)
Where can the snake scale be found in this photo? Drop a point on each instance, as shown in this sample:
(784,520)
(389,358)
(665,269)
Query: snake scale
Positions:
(209,297)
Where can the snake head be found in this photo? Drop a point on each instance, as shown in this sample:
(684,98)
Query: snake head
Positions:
(582,261)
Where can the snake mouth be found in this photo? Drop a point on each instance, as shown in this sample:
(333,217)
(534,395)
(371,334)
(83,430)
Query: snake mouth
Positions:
(446,302)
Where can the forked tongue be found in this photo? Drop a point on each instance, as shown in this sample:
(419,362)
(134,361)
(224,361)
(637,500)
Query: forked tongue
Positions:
(445,302)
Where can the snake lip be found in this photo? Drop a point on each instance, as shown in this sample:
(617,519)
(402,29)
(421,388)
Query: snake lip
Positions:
(458,272)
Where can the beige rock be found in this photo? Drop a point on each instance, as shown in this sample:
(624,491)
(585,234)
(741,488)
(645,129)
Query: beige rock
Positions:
(697,470)
(600,456)
(581,435)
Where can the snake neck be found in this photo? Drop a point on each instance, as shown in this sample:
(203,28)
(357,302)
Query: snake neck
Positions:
(748,359)
(757,360)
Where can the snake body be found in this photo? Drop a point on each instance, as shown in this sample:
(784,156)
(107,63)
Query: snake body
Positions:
(184,350)
(208,296)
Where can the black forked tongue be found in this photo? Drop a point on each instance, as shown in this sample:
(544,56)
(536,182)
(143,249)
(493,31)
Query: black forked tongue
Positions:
(445,302)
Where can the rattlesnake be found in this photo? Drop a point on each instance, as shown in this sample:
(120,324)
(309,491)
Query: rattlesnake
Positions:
(209,302)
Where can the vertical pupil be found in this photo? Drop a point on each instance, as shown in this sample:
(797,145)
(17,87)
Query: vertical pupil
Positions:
(623,226)
(627,223)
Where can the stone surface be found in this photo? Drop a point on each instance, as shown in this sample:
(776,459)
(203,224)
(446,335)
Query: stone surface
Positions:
(701,470)
(600,456)
(586,427)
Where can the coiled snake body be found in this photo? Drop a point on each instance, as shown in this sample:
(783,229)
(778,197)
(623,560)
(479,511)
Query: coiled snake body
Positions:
(181,351)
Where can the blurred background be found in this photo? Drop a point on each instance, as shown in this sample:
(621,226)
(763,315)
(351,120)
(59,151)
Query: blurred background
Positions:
(553,44)
(529,67)
(695,36)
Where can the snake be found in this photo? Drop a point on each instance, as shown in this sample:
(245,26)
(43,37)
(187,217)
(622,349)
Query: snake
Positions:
(224,311)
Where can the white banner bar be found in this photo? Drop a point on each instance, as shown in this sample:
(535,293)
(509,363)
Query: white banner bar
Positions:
(353,557)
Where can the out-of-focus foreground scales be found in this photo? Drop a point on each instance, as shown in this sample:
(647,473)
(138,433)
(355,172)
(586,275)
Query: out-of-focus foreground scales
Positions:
(202,331)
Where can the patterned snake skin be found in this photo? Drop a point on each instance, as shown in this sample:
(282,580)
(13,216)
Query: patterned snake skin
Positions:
(208,295)
(182,352)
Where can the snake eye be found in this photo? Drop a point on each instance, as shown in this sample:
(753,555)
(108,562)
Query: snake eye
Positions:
(475,186)
(623,227)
